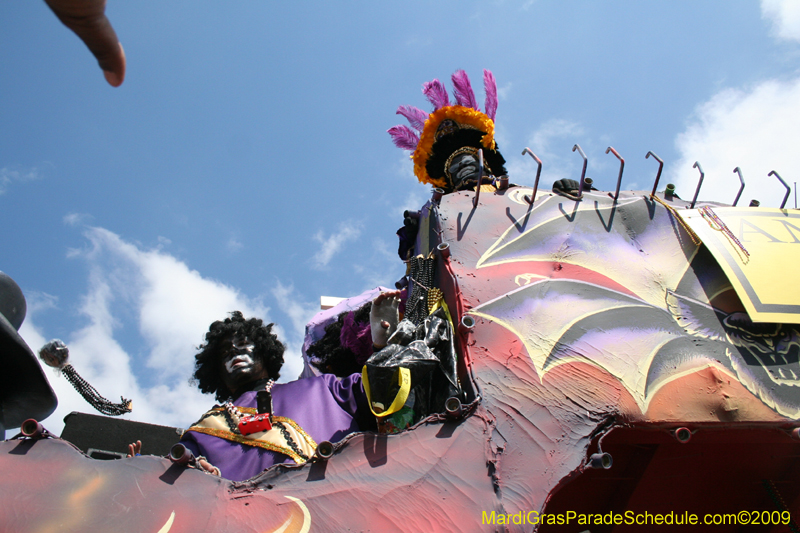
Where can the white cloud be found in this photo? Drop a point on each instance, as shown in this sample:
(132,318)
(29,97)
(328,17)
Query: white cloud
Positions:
(551,143)
(170,305)
(785,17)
(415,198)
(76,219)
(503,91)
(300,313)
(234,245)
(382,267)
(9,176)
(332,244)
(754,129)
(542,139)
(40,301)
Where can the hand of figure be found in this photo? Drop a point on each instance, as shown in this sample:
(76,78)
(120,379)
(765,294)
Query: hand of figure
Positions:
(88,20)
(383,317)
(135,448)
(208,467)
(566,185)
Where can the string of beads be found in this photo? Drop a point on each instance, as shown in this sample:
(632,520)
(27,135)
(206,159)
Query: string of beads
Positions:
(716,223)
(234,415)
(422,279)
(91,395)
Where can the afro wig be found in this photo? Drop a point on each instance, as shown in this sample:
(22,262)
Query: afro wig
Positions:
(268,349)
(341,351)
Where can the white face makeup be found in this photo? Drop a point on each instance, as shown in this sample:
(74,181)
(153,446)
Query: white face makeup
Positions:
(238,361)
(243,345)
(240,365)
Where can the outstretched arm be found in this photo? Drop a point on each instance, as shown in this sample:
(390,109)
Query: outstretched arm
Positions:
(88,20)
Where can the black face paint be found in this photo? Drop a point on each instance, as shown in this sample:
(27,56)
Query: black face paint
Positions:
(463,168)
(239,365)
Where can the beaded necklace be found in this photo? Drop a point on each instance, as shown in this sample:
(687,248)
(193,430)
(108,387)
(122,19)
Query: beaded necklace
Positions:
(716,223)
(695,239)
(234,416)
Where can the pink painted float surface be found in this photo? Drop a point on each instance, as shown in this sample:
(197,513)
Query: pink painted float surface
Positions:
(600,327)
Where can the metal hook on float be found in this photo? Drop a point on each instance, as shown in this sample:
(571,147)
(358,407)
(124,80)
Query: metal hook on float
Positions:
(660,168)
(621,168)
(538,173)
(741,179)
(699,183)
(480,179)
(788,189)
(600,460)
(583,172)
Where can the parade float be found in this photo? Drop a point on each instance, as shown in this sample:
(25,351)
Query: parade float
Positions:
(625,359)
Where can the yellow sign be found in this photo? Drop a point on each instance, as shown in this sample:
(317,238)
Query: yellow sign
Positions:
(759,250)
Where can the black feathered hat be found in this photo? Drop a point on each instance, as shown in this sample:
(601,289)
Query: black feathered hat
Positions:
(437,137)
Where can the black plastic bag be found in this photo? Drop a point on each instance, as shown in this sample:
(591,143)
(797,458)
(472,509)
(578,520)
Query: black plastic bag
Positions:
(414,374)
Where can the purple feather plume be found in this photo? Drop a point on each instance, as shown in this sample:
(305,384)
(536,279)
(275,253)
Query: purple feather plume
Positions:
(357,337)
(490,86)
(463,90)
(416,116)
(435,92)
(404,137)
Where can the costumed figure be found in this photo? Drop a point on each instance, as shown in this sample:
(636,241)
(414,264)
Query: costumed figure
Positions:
(239,363)
(346,344)
(445,143)
(316,359)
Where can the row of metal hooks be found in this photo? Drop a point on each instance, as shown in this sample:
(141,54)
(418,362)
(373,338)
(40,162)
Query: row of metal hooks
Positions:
(530,198)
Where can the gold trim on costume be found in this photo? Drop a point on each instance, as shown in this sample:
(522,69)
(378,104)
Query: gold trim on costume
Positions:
(215,424)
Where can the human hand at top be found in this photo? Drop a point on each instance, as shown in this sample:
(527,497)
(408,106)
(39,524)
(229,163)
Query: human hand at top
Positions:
(88,20)
(383,317)
(135,449)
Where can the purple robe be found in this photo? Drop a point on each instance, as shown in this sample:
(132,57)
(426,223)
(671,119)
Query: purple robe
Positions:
(324,406)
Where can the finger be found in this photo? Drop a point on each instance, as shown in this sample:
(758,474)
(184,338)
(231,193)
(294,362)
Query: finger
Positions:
(115,74)
(385,324)
(389,295)
(208,467)
(87,19)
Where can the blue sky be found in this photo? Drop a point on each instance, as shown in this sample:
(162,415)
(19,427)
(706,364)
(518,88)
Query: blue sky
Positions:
(244,163)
